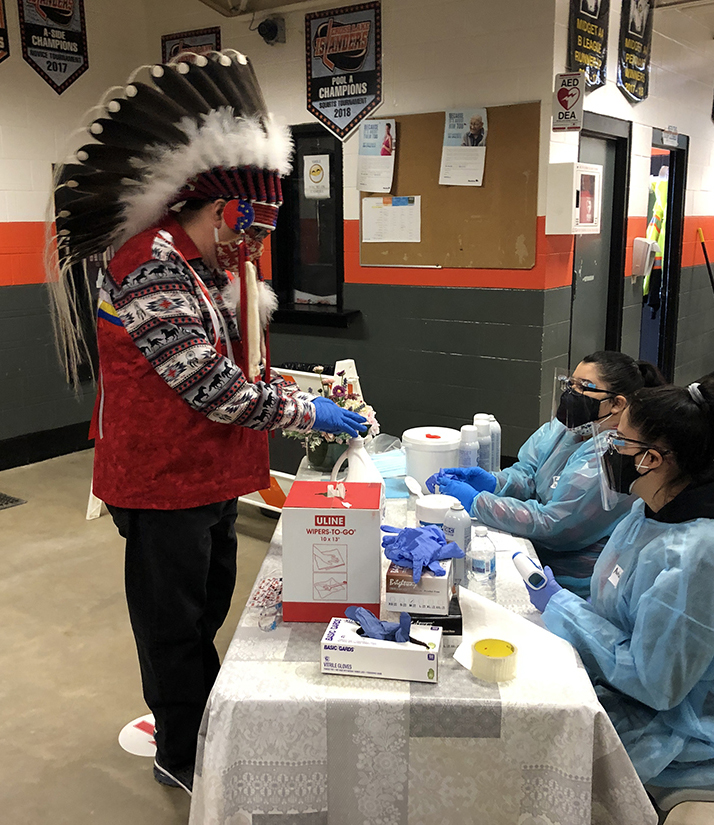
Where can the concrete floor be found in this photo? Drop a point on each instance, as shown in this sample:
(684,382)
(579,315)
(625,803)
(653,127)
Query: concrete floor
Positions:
(70,680)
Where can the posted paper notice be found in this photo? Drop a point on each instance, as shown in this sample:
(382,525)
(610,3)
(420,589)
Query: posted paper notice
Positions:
(463,155)
(375,163)
(391,220)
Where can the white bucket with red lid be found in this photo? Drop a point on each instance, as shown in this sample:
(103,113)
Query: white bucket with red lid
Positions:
(428,449)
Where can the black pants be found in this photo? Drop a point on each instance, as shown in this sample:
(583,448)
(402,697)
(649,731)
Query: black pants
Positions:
(180,572)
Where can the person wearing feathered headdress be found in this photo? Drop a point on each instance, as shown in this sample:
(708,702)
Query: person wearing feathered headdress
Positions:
(183,181)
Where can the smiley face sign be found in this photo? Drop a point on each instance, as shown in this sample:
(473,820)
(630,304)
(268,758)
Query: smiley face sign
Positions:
(568,102)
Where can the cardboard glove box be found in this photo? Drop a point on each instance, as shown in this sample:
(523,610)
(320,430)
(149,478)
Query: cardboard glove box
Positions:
(346,653)
(430,596)
(331,550)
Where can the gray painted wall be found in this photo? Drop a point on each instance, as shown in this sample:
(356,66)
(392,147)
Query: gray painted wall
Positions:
(695,326)
(33,393)
(430,355)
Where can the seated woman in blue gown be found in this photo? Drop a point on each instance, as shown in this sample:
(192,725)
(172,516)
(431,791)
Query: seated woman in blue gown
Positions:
(647,635)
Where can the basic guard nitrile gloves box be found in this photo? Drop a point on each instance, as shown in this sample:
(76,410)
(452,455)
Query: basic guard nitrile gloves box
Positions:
(345,652)
(430,595)
(331,549)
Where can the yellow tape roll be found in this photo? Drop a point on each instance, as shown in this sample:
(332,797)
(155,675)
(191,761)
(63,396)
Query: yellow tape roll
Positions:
(493,660)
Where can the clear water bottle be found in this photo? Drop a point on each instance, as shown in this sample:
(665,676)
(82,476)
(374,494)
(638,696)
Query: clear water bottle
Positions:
(457,528)
(481,564)
(468,448)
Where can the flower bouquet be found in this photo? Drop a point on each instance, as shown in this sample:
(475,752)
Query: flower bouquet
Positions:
(324,449)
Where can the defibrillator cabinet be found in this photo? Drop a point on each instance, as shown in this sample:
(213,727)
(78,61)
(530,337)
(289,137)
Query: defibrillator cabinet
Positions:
(574,199)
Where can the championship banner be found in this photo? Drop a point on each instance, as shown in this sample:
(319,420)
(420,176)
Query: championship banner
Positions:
(344,65)
(633,54)
(4,40)
(587,40)
(54,40)
(200,41)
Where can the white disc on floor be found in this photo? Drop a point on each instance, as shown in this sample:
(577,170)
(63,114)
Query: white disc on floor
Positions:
(138,736)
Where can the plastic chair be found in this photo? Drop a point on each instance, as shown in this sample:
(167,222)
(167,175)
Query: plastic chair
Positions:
(665,799)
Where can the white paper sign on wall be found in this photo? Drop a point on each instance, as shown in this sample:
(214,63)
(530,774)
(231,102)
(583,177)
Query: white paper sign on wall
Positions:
(316,176)
(568,99)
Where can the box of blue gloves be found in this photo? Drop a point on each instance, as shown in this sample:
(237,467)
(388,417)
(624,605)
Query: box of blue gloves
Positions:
(347,650)
(430,595)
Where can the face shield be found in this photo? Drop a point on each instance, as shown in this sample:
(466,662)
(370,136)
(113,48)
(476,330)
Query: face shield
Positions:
(576,403)
(621,465)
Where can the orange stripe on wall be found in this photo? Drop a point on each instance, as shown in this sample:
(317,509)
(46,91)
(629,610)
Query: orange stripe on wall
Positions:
(21,253)
(22,244)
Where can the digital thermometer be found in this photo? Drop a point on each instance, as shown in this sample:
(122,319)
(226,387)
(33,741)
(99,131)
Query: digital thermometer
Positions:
(531,572)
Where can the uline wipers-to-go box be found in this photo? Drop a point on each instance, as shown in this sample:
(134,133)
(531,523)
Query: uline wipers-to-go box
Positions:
(331,549)
(345,652)
(430,595)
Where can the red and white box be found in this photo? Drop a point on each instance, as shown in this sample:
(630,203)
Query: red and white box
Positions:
(331,549)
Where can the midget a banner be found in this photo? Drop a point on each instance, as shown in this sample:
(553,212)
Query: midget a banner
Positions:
(344,65)
(4,41)
(633,54)
(587,40)
(54,40)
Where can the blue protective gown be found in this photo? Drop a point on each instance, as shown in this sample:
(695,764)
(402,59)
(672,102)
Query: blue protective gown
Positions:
(551,496)
(647,638)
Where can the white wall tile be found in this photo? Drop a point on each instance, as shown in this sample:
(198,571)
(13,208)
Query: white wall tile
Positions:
(15,175)
(26,206)
(641,140)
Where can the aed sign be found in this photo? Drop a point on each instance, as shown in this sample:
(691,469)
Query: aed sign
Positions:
(568,99)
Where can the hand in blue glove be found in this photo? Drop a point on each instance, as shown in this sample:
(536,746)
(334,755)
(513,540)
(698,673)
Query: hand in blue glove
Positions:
(419,548)
(540,598)
(375,629)
(331,418)
(475,477)
(464,492)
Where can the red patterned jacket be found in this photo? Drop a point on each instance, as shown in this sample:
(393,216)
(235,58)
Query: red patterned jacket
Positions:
(176,423)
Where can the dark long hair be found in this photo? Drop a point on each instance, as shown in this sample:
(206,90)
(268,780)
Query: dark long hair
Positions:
(622,374)
(681,419)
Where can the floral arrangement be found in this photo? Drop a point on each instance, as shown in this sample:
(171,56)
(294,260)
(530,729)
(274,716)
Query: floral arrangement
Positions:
(337,390)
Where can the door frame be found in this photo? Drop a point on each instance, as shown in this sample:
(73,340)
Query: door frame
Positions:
(620,132)
(672,274)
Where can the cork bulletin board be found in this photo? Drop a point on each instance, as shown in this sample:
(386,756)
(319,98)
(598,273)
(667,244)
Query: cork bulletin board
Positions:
(486,227)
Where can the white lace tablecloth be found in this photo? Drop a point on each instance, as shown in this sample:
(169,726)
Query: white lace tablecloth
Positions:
(282,744)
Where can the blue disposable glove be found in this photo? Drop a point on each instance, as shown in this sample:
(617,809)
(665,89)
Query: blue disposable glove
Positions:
(375,629)
(540,598)
(419,548)
(464,492)
(331,418)
(476,477)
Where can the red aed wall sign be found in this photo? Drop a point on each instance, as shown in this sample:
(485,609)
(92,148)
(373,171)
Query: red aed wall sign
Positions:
(568,97)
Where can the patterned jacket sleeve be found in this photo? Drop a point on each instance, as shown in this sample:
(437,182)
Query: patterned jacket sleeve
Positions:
(163,311)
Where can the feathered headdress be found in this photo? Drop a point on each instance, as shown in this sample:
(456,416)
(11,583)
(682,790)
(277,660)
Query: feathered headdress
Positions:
(198,130)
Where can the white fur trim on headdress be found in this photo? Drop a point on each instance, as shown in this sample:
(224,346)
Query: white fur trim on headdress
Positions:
(221,140)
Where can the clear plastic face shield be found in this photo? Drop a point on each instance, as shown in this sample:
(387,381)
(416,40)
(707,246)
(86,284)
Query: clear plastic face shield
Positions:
(577,403)
(621,464)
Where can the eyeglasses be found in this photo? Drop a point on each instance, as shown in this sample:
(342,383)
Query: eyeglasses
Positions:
(618,442)
(580,385)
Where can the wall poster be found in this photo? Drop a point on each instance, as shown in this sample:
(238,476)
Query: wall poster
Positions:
(200,41)
(54,40)
(587,40)
(4,40)
(633,54)
(344,65)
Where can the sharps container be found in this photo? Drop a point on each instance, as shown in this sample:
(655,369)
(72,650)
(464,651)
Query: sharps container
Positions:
(428,449)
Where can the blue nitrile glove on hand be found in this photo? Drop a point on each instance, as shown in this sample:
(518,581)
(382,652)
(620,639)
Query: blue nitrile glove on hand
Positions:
(419,548)
(540,598)
(375,629)
(331,418)
(476,477)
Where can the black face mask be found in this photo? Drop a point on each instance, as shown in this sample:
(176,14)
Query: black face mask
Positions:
(576,409)
(621,470)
